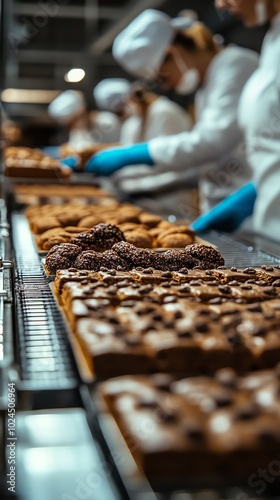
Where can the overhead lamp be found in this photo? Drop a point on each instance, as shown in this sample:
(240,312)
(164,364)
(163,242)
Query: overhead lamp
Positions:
(75,75)
(28,96)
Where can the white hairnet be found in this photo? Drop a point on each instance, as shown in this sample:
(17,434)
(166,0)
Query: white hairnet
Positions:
(141,46)
(67,105)
(111,93)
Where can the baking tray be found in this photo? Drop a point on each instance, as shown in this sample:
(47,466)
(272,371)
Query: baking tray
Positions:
(235,253)
(134,480)
(73,179)
(44,354)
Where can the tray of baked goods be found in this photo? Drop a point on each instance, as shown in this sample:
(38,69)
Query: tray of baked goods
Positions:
(196,437)
(184,332)
(58,194)
(98,271)
(22,163)
(191,386)
(185,321)
(86,225)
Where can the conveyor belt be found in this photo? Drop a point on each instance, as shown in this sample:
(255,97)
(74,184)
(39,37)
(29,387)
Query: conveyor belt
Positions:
(45,354)
(240,254)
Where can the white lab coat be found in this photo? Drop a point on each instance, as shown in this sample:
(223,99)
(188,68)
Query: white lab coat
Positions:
(105,129)
(259,114)
(164,117)
(212,146)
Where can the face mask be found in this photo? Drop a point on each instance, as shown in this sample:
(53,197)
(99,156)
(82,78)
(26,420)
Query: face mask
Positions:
(190,78)
(261,12)
(188,83)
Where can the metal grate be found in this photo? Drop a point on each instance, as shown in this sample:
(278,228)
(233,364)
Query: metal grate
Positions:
(239,254)
(45,354)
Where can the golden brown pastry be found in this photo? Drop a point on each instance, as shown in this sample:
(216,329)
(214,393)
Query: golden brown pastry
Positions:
(140,239)
(176,240)
(149,219)
(90,221)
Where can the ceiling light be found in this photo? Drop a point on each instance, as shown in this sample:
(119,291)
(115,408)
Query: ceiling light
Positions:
(74,75)
(28,96)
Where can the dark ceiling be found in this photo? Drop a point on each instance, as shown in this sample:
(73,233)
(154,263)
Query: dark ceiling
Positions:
(44,39)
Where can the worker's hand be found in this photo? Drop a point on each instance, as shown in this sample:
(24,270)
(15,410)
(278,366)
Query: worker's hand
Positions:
(228,215)
(71,162)
(109,161)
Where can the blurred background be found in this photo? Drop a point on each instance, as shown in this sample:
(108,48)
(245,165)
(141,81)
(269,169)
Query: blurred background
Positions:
(43,40)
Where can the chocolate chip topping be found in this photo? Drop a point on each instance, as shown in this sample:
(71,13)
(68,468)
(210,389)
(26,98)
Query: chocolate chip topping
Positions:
(192,430)
(246,287)
(259,331)
(223,398)
(224,289)
(249,270)
(183,333)
(178,314)
(165,415)
(148,270)
(270,290)
(234,338)
(234,283)
(166,274)
(247,411)
(147,401)
(204,312)
(267,268)
(202,327)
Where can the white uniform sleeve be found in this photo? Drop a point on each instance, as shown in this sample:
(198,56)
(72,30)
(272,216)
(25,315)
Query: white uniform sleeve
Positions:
(130,130)
(217,131)
(166,118)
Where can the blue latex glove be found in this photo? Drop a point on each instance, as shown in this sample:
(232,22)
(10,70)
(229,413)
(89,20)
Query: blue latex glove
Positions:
(70,161)
(52,151)
(109,161)
(228,215)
